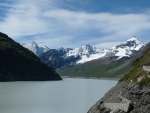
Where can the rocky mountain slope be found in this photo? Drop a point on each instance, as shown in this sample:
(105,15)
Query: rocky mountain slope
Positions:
(57,58)
(20,64)
(132,93)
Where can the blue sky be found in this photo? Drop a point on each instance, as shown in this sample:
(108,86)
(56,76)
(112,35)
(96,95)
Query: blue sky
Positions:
(71,23)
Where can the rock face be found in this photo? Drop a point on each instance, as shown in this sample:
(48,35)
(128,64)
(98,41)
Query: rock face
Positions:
(117,103)
(19,64)
(139,100)
(146,68)
(134,87)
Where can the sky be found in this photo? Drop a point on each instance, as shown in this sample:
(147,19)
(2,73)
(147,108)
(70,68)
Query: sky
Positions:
(72,23)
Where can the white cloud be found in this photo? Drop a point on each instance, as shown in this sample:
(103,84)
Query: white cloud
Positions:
(108,44)
(121,24)
(64,26)
(23,20)
(54,42)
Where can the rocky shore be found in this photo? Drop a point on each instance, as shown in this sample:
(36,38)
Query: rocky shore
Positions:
(138,99)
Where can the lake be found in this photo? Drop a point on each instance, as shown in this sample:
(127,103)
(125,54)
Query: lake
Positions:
(72,95)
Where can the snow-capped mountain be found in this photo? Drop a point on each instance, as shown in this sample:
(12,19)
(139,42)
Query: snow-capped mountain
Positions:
(87,53)
(71,56)
(37,49)
(127,48)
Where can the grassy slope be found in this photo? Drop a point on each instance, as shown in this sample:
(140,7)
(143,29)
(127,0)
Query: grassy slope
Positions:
(98,68)
(18,63)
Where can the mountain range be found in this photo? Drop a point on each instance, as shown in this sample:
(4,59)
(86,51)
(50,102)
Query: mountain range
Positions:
(89,60)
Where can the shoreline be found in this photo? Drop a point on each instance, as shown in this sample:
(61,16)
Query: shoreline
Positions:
(102,78)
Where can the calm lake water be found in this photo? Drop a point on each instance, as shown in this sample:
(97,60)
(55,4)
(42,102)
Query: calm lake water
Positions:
(67,96)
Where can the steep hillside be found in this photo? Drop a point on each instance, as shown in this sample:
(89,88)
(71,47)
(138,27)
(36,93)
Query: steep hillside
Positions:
(137,72)
(20,64)
(132,93)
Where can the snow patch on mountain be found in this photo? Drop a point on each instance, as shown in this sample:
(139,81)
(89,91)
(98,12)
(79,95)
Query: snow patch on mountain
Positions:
(86,58)
(127,48)
(87,53)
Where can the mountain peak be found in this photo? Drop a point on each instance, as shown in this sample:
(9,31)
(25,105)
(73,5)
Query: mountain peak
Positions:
(134,39)
(87,49)
(127,48)
(36,48)
(34,44)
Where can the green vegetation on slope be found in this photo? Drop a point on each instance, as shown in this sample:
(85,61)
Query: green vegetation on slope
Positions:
(101,68)
(18,63)
(137,71)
